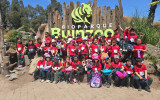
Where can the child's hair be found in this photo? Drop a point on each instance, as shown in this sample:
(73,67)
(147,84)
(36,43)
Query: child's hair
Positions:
(38,39)
(132,29)
(93,39)
(83,57)
(113,40)
(18,38)
(103,41)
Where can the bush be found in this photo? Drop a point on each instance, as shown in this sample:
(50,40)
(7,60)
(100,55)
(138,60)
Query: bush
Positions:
(13,36)
(153,59)
(148,33)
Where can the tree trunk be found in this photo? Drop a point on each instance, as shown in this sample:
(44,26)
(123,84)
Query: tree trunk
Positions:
(152,12)
(1,43)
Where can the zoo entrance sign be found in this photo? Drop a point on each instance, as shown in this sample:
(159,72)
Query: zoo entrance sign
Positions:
(80,17)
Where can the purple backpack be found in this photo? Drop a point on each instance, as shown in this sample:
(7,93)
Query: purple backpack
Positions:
(96,81)
(89,64)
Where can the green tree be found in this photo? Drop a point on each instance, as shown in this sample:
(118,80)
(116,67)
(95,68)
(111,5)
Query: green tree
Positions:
(56,5)
(4,7)
(15,14)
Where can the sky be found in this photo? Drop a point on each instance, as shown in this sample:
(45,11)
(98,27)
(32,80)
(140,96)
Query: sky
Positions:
(129,6)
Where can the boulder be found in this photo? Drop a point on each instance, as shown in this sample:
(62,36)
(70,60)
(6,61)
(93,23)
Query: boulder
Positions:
(27,61)
(33,65)
(13,76)
(151,68)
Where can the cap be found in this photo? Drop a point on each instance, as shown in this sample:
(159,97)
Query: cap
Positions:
(53,36)
(78,34)
(138,60)
(95,56)
(109,32)
(53,40)
(72,40)
(47,55)
(47,41)
(116,56)
(56,57)
(75,56)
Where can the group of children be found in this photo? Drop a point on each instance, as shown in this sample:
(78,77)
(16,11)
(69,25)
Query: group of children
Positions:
(70,58)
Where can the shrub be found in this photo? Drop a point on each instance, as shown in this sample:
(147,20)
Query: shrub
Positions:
(13,36)
(153,59)
(148,33)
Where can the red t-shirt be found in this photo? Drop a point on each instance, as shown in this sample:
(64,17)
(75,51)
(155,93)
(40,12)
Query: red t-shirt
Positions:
(140,69)
(64,66)
(84,48)
(56,64)
(128,68)
(20,47)
(133,38)
(116,65)
(117,36)
(72,49)
(50,63)
(98,66)
(41,64)
(64,47)
(135,53)
(54,50)
(48,48)
(109,39)
(31,48)
(107,66)
(104,48)
(38,44)
(48,38)
(75,63)
(94,48)
(79,40)
(114,50)
(89,40)
(126,36)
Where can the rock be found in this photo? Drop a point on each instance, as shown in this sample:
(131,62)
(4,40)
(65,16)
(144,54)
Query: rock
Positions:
(151,68)
(33,65)
(19,69)
(12,77)
(27,61)
(153,50)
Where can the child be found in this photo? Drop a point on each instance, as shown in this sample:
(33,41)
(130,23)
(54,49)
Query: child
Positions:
(116,35)
(64,49)
(47,37)
(54,48)
(89,39)
(114,50)
(84,48)
(138,51)
(71,49)
(109,38)
(128,67)
(107,78)
(79,39)
(38,47)
(47,68)
(133,36)
(142,76)
(88,67)
(96,68)
(38,71)
(58,69)
(20,48)
(77,65)
(117,67)
(47,47)
(31,48)
(94,46)
(66,65)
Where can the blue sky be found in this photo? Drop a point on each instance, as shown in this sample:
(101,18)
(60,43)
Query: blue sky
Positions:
(129,6)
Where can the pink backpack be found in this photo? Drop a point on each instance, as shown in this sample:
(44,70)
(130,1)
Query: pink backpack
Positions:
(120,74)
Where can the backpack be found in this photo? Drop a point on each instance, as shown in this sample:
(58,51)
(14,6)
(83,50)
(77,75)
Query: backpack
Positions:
(96,81)
(89,64)
(106,71)
(129,47)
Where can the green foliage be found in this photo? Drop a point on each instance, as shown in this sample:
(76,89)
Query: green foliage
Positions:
(148,33)
(153,59)
(13,36)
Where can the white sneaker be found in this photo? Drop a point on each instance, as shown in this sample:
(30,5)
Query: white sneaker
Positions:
(47,81)
(120,49)
(42,80)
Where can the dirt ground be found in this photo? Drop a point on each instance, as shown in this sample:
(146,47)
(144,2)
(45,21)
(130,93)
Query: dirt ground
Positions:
(24,89)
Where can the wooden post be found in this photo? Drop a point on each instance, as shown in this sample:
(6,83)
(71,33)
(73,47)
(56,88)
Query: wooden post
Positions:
(1,43)
(64,16)
(121,13)
(70,12)
(108,16)
(104,19)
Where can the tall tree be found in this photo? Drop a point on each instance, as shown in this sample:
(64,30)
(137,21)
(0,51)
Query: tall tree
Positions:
(4,7)
(153,10)
(15,14)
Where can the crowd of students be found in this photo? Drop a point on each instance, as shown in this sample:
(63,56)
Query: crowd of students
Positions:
(112,57)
